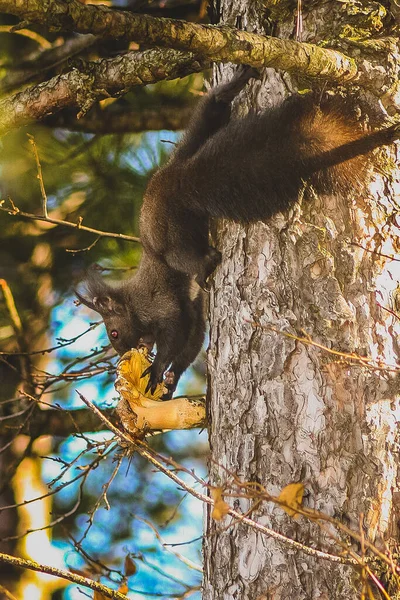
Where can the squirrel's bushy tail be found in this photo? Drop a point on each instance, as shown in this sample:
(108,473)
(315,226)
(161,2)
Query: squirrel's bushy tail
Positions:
(256,166)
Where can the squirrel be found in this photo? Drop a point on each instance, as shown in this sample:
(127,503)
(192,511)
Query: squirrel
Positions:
(245,170)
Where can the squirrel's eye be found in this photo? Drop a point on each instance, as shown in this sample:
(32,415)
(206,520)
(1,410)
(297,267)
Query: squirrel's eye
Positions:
(114,334)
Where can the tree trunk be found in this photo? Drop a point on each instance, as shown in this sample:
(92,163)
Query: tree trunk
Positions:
(285,411)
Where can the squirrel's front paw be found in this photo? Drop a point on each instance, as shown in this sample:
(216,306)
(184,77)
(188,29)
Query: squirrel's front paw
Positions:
(156,377)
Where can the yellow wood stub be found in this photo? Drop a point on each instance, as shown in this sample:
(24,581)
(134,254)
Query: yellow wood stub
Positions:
(142,412)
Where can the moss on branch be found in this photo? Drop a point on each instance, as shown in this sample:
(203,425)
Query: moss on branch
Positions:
(216,43)
(93,81)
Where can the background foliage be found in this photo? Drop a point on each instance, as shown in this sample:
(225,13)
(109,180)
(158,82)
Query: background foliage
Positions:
(101,179)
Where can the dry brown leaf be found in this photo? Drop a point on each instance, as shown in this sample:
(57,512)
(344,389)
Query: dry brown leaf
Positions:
(130,567)
(292,497)
(221,508)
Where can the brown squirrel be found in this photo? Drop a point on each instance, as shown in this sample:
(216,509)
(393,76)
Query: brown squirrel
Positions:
(245,170)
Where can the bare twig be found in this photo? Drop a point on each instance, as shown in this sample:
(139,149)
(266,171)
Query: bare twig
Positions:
(25,363)
(11,308)
(63,343)
(180,557)
(375,252)
(365,361)
(39,175)
(15,211)
(390,311)
(6,593)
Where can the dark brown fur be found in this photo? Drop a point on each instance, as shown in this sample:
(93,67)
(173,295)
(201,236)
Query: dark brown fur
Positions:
(245,170)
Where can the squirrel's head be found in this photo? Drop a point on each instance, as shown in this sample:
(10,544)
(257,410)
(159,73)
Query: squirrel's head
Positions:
(114,304)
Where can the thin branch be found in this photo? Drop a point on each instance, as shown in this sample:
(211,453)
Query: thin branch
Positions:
(142,449)
(375,252)
(24,360)
(15,211)
(62,342)
(183,559)
(163,573)
(353,358)
(6,593)
(391,312)
(39,175)
(11,308)
(217,43)
(85,249)
(74,577)
(102,498)
(60,222)
(82,475)
(256,491)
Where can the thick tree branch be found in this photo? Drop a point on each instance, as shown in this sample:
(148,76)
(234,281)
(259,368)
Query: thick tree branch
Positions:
(54,422)
(173,118)
(94,81)
(215,43)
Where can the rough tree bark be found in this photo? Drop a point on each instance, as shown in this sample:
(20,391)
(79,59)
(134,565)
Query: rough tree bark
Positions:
(283,411)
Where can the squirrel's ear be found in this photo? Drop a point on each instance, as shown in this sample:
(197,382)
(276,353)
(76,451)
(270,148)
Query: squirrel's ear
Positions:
(83,300)
(105,305)
(101,297)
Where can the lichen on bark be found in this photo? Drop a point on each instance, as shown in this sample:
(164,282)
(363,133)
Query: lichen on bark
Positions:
(283,411)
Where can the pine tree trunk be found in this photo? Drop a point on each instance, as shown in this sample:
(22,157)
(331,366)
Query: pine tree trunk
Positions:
(284,411)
